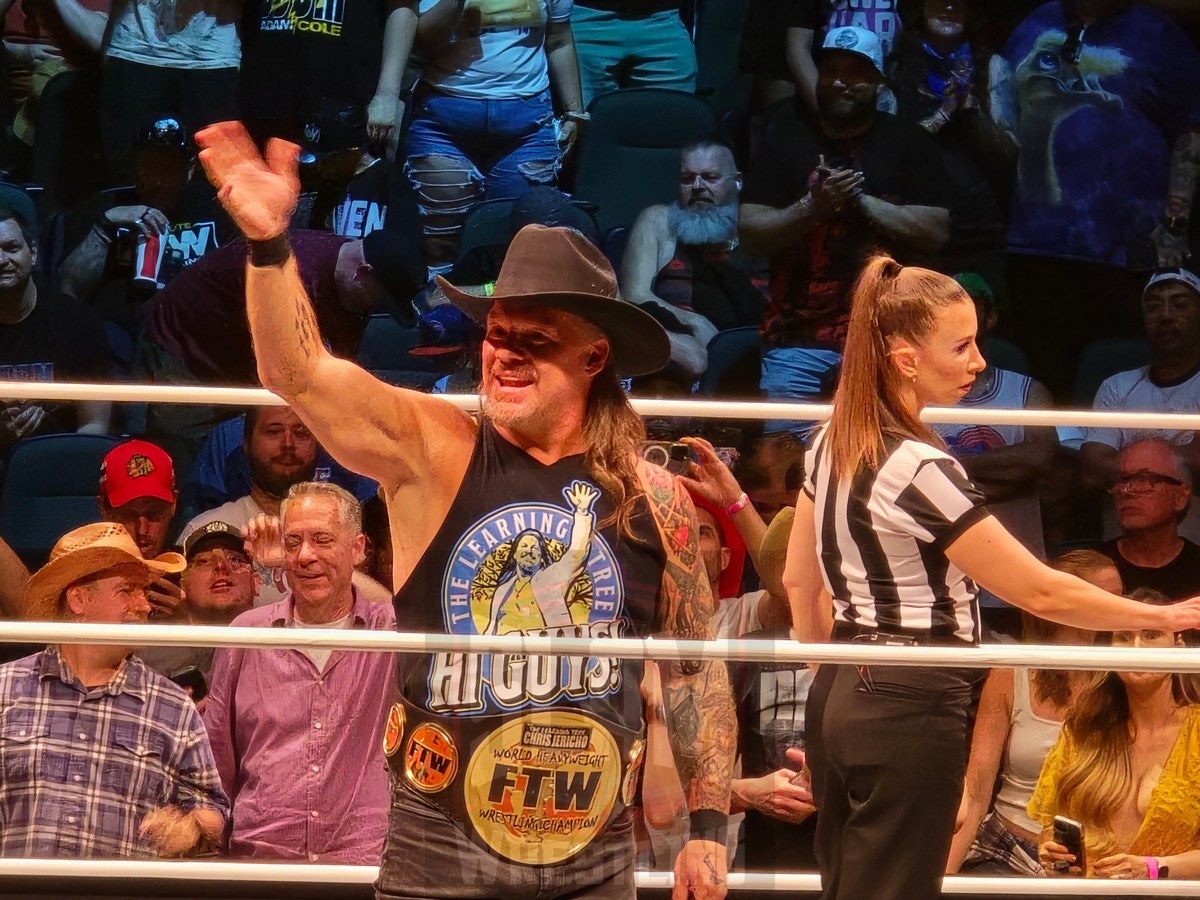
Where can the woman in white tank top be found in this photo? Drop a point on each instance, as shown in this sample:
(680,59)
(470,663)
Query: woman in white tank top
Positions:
(1020,715)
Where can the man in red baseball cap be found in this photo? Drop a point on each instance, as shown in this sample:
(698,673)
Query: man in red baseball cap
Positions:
(137,490)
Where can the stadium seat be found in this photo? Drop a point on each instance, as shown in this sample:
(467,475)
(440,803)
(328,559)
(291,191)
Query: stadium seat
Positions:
(1006,355)
(50,487)
(383,351)
(629,153)
(490,224)
(734,364)
(1104,358)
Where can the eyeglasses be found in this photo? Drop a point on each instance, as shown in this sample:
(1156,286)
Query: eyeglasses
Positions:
(1072,47)
(206,561)
(1142,483)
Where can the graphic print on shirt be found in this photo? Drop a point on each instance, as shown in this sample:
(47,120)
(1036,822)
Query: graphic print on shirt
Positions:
(535,569)
(314,16)
(1055,81)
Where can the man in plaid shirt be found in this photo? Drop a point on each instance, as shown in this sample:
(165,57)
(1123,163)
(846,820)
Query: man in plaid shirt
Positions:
(99,755)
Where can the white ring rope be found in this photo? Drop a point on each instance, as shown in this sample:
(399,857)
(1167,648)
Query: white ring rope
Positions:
(310,874)
(714,409)
(986,656)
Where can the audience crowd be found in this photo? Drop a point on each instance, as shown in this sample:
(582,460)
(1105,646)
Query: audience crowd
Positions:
(1045,154)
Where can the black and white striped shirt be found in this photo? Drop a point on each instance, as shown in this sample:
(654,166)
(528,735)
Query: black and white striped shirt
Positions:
(882,535)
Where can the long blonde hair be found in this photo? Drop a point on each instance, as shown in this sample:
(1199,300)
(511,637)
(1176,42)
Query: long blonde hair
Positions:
(1096,779)
(888,301)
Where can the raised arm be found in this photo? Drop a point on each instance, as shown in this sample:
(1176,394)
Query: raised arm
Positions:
(385,433)
(699,704)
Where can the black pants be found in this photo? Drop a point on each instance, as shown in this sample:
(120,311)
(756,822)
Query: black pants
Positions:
(888,752)
(132,95)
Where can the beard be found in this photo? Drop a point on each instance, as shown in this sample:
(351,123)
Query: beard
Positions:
(703,223)
(524,417)
(275,483)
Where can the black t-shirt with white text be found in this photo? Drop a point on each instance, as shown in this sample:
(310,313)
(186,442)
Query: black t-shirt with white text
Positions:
(60,340)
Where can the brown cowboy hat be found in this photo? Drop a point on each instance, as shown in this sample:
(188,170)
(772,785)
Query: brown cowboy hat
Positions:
(88,550)
(561,268)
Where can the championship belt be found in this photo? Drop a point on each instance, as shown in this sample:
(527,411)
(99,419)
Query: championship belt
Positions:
(534,788)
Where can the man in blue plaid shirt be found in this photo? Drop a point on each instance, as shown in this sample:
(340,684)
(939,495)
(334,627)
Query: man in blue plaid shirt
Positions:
(99,755)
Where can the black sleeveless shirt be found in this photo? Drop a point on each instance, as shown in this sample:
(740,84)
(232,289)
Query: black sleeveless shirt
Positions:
(521,551)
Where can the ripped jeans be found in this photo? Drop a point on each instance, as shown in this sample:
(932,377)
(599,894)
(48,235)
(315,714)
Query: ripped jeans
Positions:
(462,151)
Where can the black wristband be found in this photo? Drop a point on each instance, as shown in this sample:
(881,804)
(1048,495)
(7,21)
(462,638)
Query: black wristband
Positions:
(273,252)
(708,825)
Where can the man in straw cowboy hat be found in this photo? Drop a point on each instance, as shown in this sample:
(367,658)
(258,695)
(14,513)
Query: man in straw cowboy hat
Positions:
(515,771)
(99,755)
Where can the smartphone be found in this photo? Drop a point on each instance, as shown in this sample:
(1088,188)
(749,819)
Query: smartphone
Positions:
(192,680)
(673,456)
(1069,833)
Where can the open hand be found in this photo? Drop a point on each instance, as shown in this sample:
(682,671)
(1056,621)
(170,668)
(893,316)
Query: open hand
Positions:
(264,541)
(259,193)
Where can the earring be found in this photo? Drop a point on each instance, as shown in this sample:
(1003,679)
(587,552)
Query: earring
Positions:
(913,377)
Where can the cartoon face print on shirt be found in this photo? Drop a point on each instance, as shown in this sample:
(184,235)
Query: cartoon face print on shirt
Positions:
(535,569)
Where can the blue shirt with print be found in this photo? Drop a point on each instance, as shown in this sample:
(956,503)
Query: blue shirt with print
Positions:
(1096,134)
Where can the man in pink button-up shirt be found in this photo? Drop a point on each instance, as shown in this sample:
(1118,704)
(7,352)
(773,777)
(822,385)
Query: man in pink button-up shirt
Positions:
(297,734)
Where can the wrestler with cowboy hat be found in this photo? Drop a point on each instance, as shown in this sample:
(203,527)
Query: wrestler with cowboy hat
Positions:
(103,757)
(511,774)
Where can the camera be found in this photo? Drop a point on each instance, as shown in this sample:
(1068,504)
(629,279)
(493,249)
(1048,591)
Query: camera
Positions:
(673,456)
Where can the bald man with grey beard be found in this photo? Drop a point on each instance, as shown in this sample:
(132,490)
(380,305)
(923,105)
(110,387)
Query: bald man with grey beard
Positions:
(681,263)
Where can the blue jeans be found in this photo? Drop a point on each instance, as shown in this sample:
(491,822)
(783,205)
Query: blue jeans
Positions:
(462,151)
(497,138)
(796,374)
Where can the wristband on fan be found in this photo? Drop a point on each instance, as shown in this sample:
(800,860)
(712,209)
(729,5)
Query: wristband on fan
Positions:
(1152,868)
(738,505)
(273,252)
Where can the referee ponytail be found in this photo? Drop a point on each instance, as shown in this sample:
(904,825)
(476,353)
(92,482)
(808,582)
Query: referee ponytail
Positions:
(888,301)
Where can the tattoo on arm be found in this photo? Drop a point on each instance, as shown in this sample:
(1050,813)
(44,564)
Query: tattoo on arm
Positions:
(699,704)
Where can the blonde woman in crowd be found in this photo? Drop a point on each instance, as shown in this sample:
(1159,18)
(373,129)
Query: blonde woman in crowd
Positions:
(1126,767)
(1019,719)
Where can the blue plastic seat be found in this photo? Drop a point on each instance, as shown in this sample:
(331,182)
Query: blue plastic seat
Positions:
(50,487)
